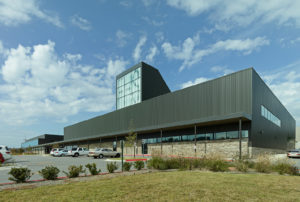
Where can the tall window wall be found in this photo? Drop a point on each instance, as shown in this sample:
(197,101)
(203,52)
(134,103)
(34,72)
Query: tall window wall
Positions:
(129,89)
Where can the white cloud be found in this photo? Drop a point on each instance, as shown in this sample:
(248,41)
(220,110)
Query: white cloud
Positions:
(147,2)
(3,51)
(138,49)
(153,22)
(285,83)
(152,52)
(221,69)
(40,84)
(15,12)
(159,36)
(243,12)
(191,56)
(196,81)
(122,38)
(81,23)
(297,40)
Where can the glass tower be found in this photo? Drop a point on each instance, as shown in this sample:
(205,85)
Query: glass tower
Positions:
(129,89)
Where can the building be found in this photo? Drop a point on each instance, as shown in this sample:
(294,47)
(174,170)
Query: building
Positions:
(298,137)
(236,114)
(36,142)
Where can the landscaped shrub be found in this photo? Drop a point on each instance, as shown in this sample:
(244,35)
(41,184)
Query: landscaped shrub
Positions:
(93,168)
(127,166)
(74,171)
(285,167)
(19,174)
(139,165)
(49,172)
(241,166)
(157,162)
(263,164)
(217,165)
(111,167)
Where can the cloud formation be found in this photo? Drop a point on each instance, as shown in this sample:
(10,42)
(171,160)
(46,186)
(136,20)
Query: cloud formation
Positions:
(138,49)
(13,13)
(190,55)
(243,12)
(41,84)
(194,82)
(81,23)
(153,51)
(285,83)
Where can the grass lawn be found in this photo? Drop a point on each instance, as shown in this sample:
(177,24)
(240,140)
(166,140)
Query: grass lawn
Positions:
(169,186)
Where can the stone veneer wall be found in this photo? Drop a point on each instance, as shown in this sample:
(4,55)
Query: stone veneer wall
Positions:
(227,148)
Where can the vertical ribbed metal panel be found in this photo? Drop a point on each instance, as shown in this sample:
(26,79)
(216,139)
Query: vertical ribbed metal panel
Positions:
(219,97)
(264,133)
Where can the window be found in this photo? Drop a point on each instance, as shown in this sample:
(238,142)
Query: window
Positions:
(188,137)
(201,137)
(221,136)
(271,117)
(232,135)
(129,89)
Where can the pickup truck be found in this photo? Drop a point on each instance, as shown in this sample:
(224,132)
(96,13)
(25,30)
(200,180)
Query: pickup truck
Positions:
(79,151)
(103,152)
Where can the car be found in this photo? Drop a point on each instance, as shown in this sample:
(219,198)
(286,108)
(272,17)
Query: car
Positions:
(53,150)
(60,152)
(4,153)
(78,151)
(103,152)
(293,153)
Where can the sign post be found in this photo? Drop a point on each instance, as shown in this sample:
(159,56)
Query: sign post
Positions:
(122,150)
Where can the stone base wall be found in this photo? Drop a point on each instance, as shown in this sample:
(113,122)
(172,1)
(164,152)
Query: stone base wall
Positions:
(255,151)
(226,148)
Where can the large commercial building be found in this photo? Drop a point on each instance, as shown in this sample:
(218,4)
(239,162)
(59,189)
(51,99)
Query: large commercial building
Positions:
(36,142)
(231,114)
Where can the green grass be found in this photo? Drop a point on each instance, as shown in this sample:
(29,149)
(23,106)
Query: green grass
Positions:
(169,186)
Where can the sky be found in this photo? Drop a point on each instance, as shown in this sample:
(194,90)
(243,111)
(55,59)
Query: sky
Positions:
(59,58)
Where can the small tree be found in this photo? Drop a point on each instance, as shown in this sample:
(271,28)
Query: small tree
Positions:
(130,140)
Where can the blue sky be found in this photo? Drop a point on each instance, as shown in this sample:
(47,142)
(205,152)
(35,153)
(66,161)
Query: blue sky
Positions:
(59,59)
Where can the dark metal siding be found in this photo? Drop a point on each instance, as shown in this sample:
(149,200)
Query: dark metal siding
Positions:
(226,96)
(153,84)
(264,133)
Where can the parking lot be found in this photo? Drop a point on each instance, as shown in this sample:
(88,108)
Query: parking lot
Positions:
(38,162)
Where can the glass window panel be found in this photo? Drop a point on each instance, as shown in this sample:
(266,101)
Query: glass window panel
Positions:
(262,111)
(127,78)
(200,136)
(209,136)
(232,134)
(176,138)
(120,91)
(128,100)
(128,88)
(221,136)
(136,85)
(245,133)
(137,73)
(188,137)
